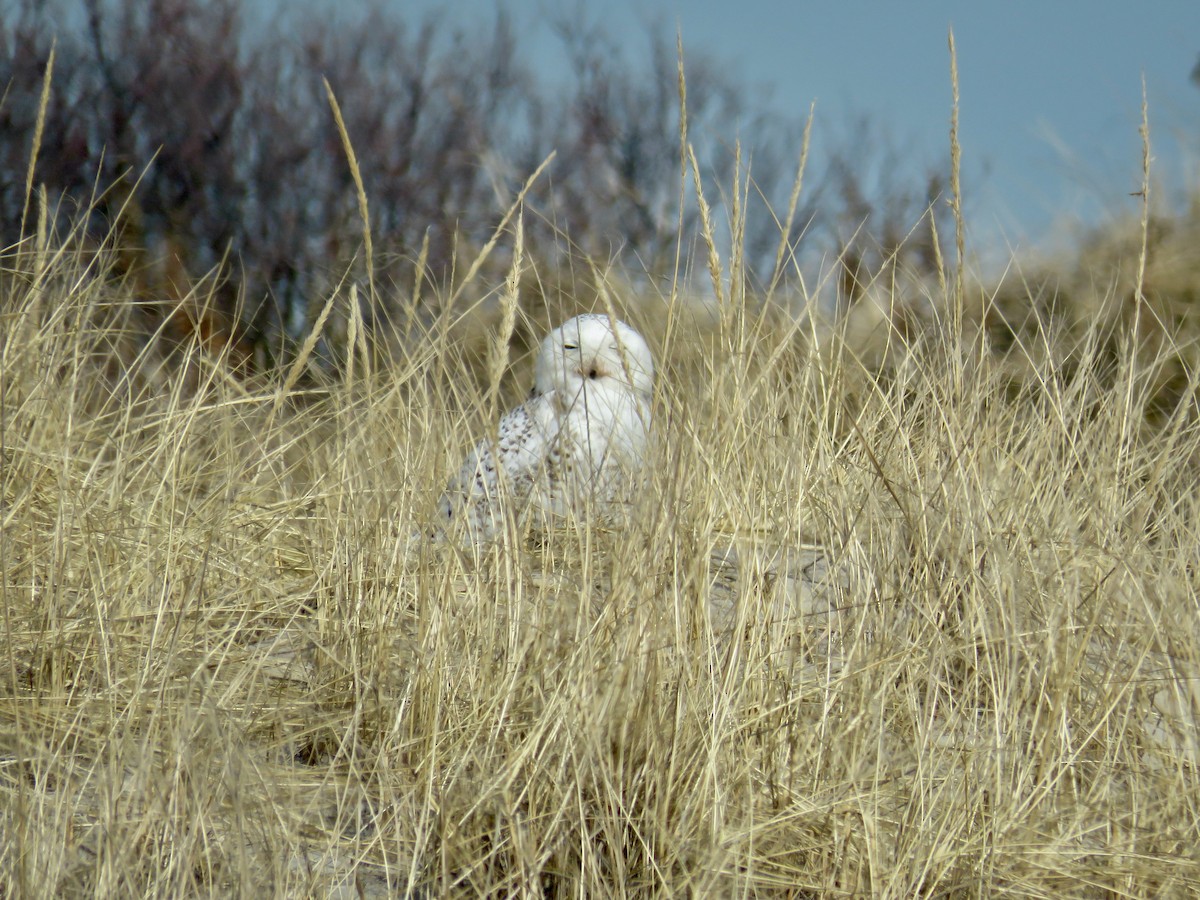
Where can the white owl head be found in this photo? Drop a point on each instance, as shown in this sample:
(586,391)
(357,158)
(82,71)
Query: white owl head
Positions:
(594,348)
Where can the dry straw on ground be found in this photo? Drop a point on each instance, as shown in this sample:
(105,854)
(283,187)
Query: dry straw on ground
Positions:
(928,630)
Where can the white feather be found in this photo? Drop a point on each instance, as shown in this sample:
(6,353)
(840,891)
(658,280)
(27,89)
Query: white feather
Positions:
(574,448)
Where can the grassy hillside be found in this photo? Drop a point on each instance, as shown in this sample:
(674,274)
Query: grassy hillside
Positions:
(912,620)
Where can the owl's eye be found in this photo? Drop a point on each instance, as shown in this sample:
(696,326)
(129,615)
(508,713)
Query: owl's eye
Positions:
(570,346)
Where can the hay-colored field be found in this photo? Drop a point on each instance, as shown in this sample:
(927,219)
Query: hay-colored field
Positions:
(927,626)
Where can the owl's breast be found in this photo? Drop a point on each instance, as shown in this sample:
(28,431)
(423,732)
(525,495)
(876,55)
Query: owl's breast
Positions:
(605,426)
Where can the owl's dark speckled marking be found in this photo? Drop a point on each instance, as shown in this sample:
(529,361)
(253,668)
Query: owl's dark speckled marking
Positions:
(573,446)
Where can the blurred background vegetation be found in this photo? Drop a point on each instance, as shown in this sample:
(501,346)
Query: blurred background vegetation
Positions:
(197,143)
(200,144)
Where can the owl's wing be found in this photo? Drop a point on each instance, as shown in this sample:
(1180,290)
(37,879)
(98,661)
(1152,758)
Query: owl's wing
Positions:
(512,462)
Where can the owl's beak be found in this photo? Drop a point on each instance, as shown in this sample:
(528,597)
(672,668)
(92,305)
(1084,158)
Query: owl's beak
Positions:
(588,369)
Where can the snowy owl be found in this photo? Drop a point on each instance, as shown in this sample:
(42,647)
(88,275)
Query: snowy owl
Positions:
(574,447)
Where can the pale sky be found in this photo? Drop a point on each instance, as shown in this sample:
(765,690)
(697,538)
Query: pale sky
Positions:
(1050,89)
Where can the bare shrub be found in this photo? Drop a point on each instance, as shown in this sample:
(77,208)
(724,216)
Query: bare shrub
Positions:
(199,142)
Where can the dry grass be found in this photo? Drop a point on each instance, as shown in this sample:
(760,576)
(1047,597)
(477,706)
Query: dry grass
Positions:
(225,670)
